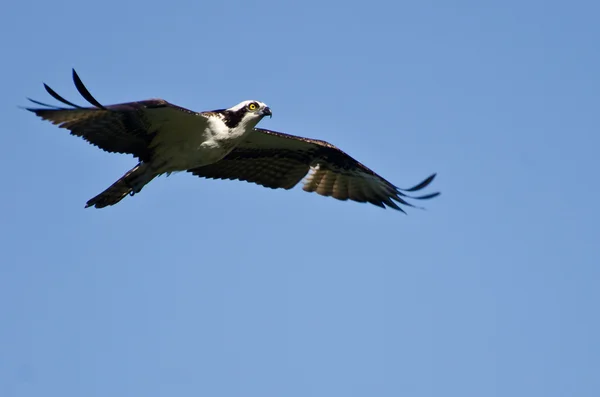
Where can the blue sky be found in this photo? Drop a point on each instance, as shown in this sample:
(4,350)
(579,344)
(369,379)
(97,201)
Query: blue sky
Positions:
(221,288)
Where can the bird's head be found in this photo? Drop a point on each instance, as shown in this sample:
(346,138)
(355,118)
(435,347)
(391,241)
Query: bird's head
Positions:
(252,109)
(247,112)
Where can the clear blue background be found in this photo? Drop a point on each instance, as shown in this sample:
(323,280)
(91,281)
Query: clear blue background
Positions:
(219,288)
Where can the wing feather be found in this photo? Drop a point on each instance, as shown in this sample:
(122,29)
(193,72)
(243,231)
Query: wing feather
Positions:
(340,188)
(121,128)
(276,160)
(85,93)
(59,98)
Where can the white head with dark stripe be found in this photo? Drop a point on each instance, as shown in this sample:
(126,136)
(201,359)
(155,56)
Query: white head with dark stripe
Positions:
(246,113)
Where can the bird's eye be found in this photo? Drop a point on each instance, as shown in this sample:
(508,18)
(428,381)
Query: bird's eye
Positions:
(253,106)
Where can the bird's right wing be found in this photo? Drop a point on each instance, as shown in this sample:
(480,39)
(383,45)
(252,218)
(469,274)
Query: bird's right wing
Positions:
(277,160)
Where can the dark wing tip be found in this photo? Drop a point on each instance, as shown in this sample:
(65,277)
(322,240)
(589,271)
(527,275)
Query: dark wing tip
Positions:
(45,105)
(59,98)
(418,187)
(84,91)
(390,204)
(428,196)
(421,185)
(400,197)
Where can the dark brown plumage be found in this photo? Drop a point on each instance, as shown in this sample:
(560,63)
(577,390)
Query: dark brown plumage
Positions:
(146,129)
(277,160)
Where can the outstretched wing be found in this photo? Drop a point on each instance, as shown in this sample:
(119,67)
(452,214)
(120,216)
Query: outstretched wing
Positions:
(121,128)
(276,160)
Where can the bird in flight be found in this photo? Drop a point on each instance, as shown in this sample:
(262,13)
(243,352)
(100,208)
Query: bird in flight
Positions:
(217,144)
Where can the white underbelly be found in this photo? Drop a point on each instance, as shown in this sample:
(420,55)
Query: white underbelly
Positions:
(184,146)
(192,154)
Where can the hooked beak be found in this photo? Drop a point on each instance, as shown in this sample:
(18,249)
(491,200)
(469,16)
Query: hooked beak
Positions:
(267,112)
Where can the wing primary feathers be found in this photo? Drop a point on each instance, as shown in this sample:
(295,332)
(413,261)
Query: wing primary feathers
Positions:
(421,185)
(427,196)
(424,197)
(388,201)
(84,91)
(404,202)
(59,98)
(376,202)
(417,187)
(44,104)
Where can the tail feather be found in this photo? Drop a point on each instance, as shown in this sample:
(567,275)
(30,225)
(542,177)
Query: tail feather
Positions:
(130,183)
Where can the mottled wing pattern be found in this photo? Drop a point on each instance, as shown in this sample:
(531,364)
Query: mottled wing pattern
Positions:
(270,168)
(121,128)
(276,160)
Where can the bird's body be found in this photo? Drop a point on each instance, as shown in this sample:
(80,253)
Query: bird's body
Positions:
(198,140)
(219,144)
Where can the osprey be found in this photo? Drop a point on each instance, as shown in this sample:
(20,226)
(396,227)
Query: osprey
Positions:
(218,144)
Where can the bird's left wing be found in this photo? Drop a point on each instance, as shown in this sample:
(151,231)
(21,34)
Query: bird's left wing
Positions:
(276,160)
(122,128)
